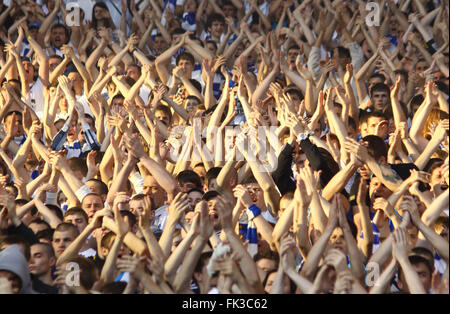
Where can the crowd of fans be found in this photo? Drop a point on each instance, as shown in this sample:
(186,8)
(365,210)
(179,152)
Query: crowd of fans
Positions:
(230,146)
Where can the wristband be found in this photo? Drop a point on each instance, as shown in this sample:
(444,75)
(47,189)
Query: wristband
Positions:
(82,192)
(50,198)
(253,211)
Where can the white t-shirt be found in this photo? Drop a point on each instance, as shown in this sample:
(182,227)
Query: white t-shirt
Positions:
(35,98)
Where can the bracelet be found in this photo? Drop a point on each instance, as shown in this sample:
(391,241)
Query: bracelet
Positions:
(253,211)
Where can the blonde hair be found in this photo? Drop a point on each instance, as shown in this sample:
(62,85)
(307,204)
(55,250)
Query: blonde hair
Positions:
(435,116)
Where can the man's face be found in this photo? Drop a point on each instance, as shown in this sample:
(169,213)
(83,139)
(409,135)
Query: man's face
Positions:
(61,240)
(421,66)
(53,63)
(152,188)
(213,214)
(437,182)
(378,189)
(76,79)
(13,279)
(137,207)
(256,194)
(187,66)
(91,204)
(292,56)
(211,47)
(186,186)
(73,132)
(424,274)
(372,125)
(163,117)
(217,28)
(212,186)
(58,37)
(133,72)
(337,240)
(159,44)
(194,198)
(94,187)
(379,100)
(229,11)
(266,264)
(17,121)
(29,69)
(117,106)
(40,262)
(77,220)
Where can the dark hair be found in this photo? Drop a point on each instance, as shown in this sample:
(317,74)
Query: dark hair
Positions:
(212,173)
(39,221)
(196,84)
(48,248)
(166,110)
(10,113)
(56,210)
(114,287)
(46,234)
(196,190)
(185,56)
(78,164)
(16,239)
(76,211)
(186,176)
(375,114)
(202,261)
(210,195)
(343,52)
(379,87)
(131,217)
(102,5)
(425,254)
(66,30)
(65,226)
(213,17)
(103,186)
(379,75)
(376,148)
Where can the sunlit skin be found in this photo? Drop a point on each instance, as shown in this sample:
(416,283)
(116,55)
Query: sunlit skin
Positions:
(61,240)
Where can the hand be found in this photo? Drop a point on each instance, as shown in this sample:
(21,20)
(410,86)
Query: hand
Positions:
(225,212)
(134,146)
(65,85)
(348,74)
(206,226)
(92,166)
(343,283)
(134,265)
(408,204)
(179,72)
(337,260)
(403,130)
(132,41)
(287,253)
(421,176)
(358,150)
(301,194)
(243,196)
(68,51)
(58,161)
(122,223)
(145,217)
(383,204)
(97,219)
(9,47)
(178,207)
(400,245)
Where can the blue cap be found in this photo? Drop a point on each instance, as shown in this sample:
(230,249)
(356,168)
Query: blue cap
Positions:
(35,24)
